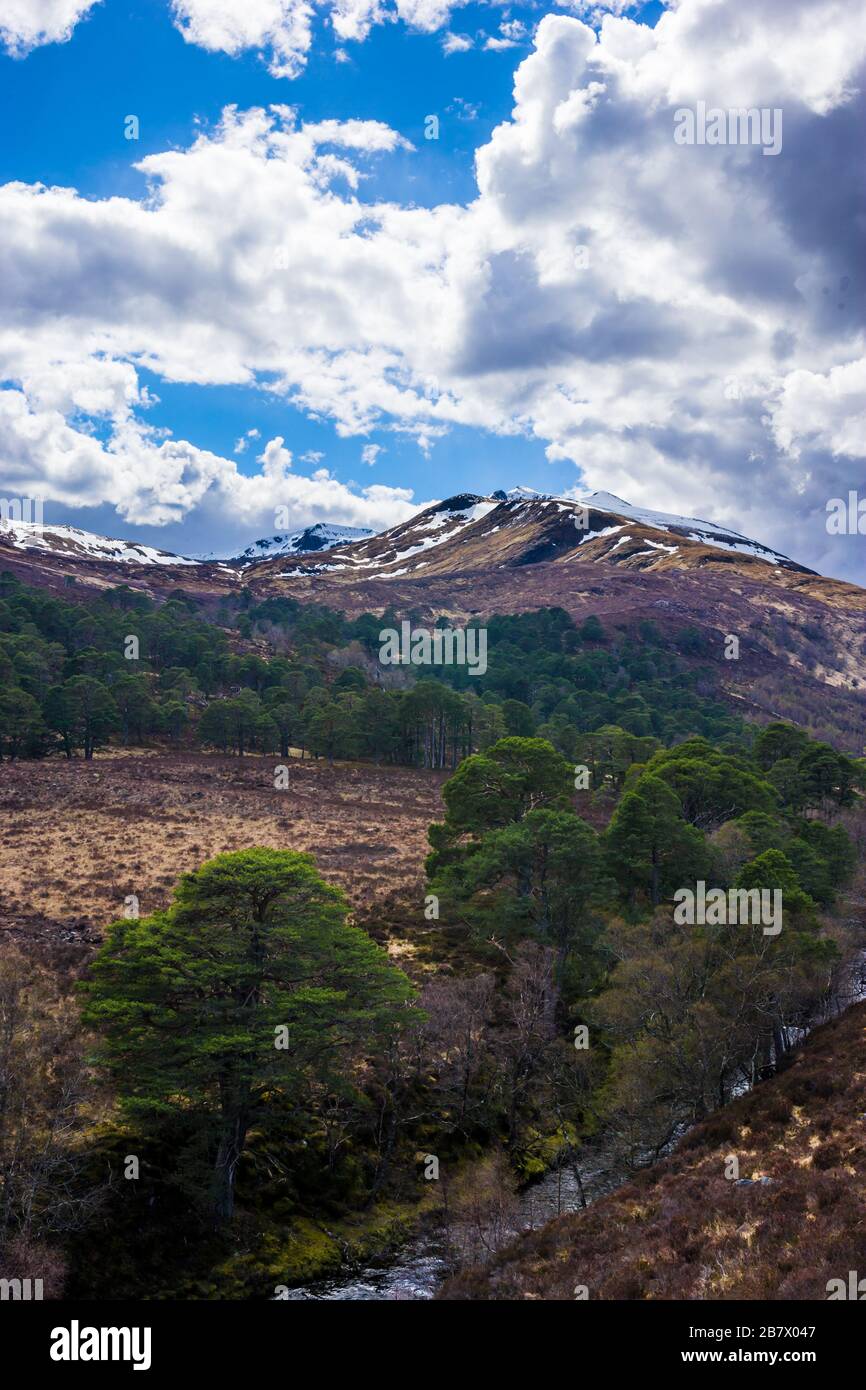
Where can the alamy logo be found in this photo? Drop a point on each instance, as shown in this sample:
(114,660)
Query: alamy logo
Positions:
(736,126)
(20,1290)
(439,646)
(77,1343)
(738,907)
(846,517)
(27,509)
(855,1289)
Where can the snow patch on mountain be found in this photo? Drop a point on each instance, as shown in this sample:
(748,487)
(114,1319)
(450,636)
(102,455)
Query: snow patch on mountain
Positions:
(84,545)
(695,528)
(322,536)
(525,494)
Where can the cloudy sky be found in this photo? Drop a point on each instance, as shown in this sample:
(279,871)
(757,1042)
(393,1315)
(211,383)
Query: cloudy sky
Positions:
(360,254)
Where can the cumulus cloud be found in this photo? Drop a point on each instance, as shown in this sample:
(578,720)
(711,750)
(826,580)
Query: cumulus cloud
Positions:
(157,482)
(512,32)
(27,24)
(242,444)
(684,323)
(280,30)
(823,411)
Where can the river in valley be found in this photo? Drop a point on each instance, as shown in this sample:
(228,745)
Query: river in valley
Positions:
(420,1266)
(417,1269)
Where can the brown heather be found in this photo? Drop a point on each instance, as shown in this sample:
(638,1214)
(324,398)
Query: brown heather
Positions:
(77,838)
(683,1231)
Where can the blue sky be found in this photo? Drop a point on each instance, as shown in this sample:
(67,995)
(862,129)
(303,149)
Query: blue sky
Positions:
(65,107)
(460,333)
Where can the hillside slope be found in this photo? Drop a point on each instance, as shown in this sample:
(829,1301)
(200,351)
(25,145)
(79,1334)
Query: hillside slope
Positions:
(471,534)
(682,1230)
(473,556)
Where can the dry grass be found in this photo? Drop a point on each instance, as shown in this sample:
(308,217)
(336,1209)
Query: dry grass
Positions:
(78,837)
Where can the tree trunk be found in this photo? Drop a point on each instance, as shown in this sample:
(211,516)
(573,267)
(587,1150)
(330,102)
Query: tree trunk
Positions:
(765,1054)
(654,890)
(231,1146)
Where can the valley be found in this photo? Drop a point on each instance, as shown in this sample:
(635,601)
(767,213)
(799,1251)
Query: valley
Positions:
(432,674)
(707,692)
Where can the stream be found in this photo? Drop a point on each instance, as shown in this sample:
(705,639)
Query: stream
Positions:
(420,1266)
(417,1269)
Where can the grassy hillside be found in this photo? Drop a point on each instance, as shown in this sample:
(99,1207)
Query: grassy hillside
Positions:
(682,1230)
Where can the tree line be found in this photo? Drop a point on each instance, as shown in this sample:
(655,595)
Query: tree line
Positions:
(277,676)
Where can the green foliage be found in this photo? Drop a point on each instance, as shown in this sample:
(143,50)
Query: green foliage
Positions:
(779,740)
(193,1003)
(540,877)
(514,776)
(651,848)
(545,678)
(83,713)
(21,723)
(712,786)
(774,870)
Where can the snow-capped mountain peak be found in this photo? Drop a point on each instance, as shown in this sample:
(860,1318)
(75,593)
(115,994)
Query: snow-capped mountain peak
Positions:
(83,545)
(517,527)
(321,536)
(693,527)
(525,494)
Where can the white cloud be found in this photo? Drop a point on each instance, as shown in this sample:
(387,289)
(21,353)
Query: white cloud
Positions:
(511,33)
(242,444)
(823,411)
(353,19)
(427,15)
(27,24)
(153,482)
(282,28)
(280,31)
(684,323)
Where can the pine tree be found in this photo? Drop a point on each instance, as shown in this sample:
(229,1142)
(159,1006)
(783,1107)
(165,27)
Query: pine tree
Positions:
(194,1004)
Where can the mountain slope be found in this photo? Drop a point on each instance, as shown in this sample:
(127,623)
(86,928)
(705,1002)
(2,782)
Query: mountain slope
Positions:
(464,534)
(71,543)
(682,1230)
(802,637)
(472,532)
(322,536)
(504,533)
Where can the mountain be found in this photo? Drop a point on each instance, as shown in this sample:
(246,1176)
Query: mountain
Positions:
(57,557)
(801,637)
(693,528)
(322,536)
(521,527)
(74,544)
(68,542)
(467,532)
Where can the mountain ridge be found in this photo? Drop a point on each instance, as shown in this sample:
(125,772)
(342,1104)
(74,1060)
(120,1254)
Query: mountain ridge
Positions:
(534,529)
(432,525)
(475,555)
